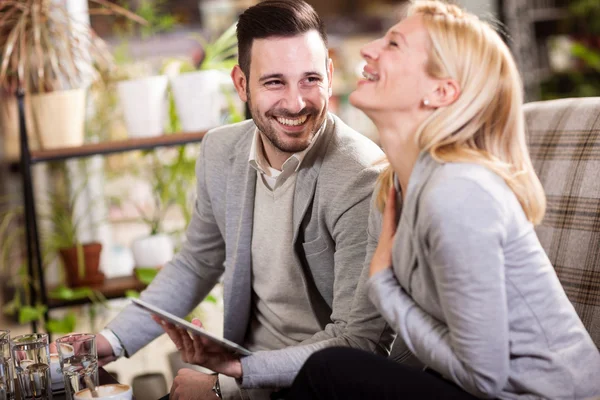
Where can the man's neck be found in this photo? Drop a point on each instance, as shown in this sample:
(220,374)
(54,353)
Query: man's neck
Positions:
(273,155)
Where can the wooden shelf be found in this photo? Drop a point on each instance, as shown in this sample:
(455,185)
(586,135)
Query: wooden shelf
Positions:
(114,147)
(112,288)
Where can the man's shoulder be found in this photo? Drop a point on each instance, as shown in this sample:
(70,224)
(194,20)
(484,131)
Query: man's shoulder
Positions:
(227,139)
(353,149)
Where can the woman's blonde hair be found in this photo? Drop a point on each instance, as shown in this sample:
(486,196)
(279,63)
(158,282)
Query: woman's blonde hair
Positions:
(485,125)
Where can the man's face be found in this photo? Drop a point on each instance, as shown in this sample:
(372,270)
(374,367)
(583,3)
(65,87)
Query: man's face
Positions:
(288,89)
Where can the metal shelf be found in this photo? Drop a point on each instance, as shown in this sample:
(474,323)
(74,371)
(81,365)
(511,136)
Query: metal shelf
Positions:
(113,147)
(111,288)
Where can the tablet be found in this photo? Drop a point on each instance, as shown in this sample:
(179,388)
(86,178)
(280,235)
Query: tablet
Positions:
(227,344)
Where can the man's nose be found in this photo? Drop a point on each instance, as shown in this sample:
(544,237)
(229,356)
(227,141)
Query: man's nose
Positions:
(294,100)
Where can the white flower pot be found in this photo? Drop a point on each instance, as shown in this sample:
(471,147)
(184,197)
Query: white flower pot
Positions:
(152,251)
(198,99)
(59,118)
(144,105)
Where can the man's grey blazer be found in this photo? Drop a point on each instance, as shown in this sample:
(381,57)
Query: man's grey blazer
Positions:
(331,209)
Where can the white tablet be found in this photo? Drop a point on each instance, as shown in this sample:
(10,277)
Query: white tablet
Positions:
(227,344)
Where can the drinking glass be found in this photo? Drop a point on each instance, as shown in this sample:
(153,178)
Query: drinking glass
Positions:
(32,365)
(9,366)
(79,362)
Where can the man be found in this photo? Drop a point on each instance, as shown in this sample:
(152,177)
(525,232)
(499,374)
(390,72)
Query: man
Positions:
(281,214)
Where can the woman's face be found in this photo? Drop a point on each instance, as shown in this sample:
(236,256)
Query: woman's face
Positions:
(394,75)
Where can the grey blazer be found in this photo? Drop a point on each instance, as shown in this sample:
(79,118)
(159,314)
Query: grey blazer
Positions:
(331,207)
(473,294)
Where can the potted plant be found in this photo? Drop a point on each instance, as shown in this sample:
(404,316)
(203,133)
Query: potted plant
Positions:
(17,286)
(51,58)
(197,89)
(143,95)
(170,183)
(81,261)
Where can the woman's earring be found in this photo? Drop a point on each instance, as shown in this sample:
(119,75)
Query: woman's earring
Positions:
(425,102)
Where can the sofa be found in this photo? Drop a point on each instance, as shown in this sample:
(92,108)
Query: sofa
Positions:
(564,143)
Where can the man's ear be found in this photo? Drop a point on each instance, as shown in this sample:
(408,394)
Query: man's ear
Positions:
(330,75)
(240,83)
(445,93)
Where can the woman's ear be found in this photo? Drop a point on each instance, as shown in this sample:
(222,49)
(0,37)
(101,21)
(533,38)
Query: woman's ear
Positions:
(445,93)
(239,81)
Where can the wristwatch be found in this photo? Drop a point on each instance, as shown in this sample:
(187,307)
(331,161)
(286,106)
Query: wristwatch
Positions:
(217,388)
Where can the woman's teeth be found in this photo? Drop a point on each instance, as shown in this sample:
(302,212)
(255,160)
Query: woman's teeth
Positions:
(370,77)
(292,122)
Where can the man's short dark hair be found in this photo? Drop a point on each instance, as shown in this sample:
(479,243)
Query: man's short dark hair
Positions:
(275,18)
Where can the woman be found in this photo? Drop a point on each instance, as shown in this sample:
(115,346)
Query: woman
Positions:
(464,281)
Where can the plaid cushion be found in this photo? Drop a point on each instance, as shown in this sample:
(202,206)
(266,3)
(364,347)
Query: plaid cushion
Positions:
(564,141)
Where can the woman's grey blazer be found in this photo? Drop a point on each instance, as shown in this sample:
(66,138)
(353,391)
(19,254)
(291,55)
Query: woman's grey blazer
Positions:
(473,294)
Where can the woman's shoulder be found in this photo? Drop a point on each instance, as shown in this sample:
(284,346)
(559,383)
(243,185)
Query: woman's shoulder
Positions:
(466,186)
(457,176)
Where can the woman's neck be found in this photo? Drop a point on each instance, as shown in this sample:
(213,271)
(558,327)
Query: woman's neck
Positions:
(399,144)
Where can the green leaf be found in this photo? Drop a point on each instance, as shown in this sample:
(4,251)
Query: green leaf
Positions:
(11,307)
(66,293)
(29,314)
(146,275)
(588,55)
(132,294)
(211,299)
(65,325)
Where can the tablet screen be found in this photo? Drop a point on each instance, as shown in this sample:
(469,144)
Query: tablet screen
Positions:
(175,320)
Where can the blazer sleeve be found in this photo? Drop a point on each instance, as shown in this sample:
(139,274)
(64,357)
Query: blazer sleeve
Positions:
(464,232)
(354,320)
(194,271)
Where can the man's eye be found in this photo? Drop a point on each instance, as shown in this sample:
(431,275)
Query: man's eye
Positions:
(272,83)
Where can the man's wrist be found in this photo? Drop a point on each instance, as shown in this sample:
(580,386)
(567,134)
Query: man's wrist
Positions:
(238,372)
(114,341)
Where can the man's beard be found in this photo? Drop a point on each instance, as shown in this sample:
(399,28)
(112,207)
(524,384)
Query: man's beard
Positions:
(265,124)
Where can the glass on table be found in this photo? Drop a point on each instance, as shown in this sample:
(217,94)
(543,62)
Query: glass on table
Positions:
(31,357)
(79,362)
(9,366)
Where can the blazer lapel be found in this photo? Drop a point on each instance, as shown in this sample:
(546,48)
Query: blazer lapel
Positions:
(306,181)
(240,213)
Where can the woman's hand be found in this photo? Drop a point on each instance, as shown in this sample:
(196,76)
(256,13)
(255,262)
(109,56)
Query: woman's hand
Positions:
(382,258)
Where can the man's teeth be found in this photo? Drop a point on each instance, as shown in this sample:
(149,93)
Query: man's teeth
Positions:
(371,77)
(292,122)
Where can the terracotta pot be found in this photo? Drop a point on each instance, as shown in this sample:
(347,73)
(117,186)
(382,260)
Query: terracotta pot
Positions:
(92,276)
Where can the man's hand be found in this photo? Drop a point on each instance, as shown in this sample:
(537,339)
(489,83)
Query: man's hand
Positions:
(192,385)
(105,351)
(201,351)
(382,258)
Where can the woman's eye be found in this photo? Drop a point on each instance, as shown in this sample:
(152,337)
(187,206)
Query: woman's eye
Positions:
(393,44)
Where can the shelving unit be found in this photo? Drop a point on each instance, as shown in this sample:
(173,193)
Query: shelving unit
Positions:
(530,24)
(113,287)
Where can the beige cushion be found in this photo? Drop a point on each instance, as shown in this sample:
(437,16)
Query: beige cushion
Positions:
(564,142)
